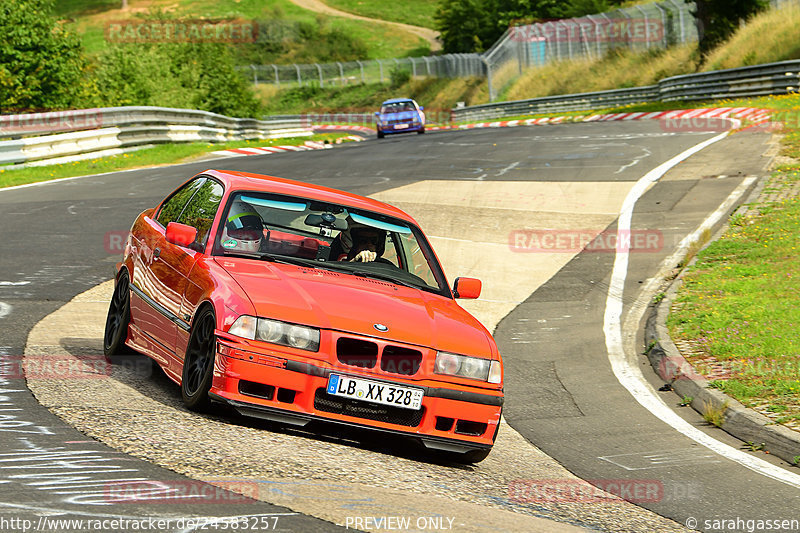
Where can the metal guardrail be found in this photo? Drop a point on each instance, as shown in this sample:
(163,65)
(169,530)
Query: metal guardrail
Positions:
(61,134)
(759,80)
(58,136)
(557,104)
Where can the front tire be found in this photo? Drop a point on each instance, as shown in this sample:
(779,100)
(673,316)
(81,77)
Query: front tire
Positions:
(119,316)
(421,131)
(380,134)
(198,364)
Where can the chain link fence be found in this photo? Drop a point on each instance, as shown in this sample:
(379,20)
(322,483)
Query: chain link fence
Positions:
(655,25)
(367,71)
(658,24)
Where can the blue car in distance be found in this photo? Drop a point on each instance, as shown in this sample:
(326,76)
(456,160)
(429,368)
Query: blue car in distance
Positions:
(400,115)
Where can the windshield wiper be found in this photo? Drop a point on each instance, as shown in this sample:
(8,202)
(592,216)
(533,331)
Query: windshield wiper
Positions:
(285,259)
(384,277)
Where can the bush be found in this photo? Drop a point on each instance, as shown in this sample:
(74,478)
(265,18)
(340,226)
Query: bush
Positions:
(281,40)
(185,75)
(399,77)
(41,65)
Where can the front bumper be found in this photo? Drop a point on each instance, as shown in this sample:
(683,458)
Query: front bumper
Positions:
(266,384)
(389,128)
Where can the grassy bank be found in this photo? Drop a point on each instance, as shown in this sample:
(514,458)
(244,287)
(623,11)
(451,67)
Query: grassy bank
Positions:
(415,12)
(437,95)
(164,154)
(735,317)
(285,27)
(768,37)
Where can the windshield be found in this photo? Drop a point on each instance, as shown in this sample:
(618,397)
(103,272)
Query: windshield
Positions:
(397,107)
(331,236)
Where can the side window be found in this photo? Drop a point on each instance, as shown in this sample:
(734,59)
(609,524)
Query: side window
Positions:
(201,209)
(172,208)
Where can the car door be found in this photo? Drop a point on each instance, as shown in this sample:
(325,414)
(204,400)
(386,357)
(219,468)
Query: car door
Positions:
(175,263)
(157,282)
(183,260)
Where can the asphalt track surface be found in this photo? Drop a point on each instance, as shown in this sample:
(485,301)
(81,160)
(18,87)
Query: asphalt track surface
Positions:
(561,394)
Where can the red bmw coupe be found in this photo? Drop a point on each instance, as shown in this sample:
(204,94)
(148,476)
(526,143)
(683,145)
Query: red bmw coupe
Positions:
(293,302)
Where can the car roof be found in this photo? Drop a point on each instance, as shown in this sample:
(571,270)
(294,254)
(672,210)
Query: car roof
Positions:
(235,181)
(394,100)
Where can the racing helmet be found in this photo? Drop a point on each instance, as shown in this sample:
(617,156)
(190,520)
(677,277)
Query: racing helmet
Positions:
(244,228)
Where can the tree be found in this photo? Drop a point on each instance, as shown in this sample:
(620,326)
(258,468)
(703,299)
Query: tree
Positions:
(474,25)
(42,66)
(718,19)
(465,25)
(184,75)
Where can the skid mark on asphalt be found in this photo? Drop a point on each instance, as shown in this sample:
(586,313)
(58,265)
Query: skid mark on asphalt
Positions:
(662,459)
(339,471)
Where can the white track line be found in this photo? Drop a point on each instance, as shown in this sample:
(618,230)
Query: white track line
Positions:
(629,375)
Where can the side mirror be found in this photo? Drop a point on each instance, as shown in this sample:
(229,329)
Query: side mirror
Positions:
(468,288)
(377,113)
(421,108)
(181,234)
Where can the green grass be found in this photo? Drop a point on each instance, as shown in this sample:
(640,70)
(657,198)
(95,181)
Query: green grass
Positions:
(415,12)
(67,9)
(437,95)
(738,301)
(90,19)
(158,155)
(768,37)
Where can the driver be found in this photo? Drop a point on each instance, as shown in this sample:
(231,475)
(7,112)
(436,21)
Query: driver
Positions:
(359,243)
(368,244)
(244,228)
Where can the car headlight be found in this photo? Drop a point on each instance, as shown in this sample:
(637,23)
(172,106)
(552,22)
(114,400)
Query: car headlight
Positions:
(276,332)
(468,367)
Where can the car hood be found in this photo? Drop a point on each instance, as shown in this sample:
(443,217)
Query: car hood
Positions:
(339,301)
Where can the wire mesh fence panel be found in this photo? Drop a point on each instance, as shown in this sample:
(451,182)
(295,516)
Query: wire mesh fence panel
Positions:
(640,27)
(366,71)
(658,24)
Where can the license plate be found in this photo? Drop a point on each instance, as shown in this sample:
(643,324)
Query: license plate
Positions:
(400,126)
(375,392)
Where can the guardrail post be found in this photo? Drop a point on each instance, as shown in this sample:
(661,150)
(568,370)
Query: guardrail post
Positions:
(380,68)
(299,78)
(255,76)
(427,65)
(277,78)
(341,73)
(413,67)
(319,69)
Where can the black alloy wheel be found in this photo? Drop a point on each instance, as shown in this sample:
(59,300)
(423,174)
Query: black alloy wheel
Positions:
(198,365)
(119,316)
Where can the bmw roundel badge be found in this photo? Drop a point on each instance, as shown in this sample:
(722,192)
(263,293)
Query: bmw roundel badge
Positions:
(381,327)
